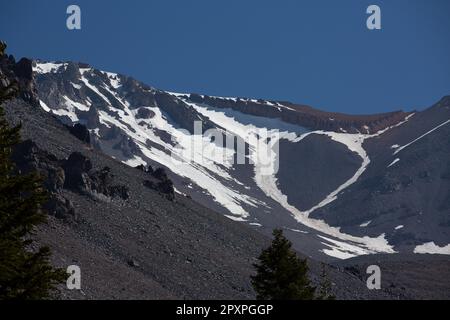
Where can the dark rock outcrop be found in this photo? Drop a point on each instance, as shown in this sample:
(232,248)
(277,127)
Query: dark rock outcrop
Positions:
(159,181)
(126,145)
(76,168)
(81,178)
(144,113)
(74,174)
(146,169)
(81,132)
(28,158)
(102,181)
(60,207)
(183,114)
(18,76)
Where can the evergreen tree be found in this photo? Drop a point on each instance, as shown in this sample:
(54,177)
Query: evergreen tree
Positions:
(325,286)
(281,275)
(24,273)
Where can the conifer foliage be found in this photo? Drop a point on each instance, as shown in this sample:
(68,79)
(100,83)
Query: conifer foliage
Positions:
(24,273)
(324,290)
(280,274)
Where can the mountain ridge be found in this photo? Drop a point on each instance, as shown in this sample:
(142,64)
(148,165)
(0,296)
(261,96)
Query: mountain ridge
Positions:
(295,113)
(138,124)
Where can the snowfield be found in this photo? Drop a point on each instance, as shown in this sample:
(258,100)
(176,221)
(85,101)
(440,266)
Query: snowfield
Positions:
(432,248)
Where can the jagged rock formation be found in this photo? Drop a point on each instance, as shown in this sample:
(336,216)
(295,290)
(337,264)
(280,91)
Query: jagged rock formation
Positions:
(28,157)
(81,132)
(74,173)
(80,177)
(18,76)
(159,181)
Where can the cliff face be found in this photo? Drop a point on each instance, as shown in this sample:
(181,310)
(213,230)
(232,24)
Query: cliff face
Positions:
(18,76)
(305,116)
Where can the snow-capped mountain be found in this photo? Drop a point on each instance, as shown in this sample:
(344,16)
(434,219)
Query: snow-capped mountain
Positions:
(340,185)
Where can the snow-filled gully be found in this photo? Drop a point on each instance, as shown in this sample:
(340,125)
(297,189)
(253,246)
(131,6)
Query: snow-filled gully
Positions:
(353,245)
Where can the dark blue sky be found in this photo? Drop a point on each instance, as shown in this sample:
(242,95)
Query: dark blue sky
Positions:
(314,52)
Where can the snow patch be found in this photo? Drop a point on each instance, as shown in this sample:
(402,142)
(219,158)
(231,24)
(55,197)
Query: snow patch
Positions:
(234,218)
(183,162)
(341,250)
(44,106)
(255,224)
(114,79)
(432,248)
(76,86)
(179,192)
(393,162)
(297,230)
(93,88)
(365,224)
(48,67)
(135,161)
(422,136)
(72,105)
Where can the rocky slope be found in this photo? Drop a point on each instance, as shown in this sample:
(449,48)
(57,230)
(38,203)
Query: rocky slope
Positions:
(405,192)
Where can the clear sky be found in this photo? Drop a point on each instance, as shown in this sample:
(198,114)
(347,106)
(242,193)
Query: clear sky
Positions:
(313,52)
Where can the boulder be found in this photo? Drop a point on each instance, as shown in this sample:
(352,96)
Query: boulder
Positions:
(81,132)
(76,169)
(60,207)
